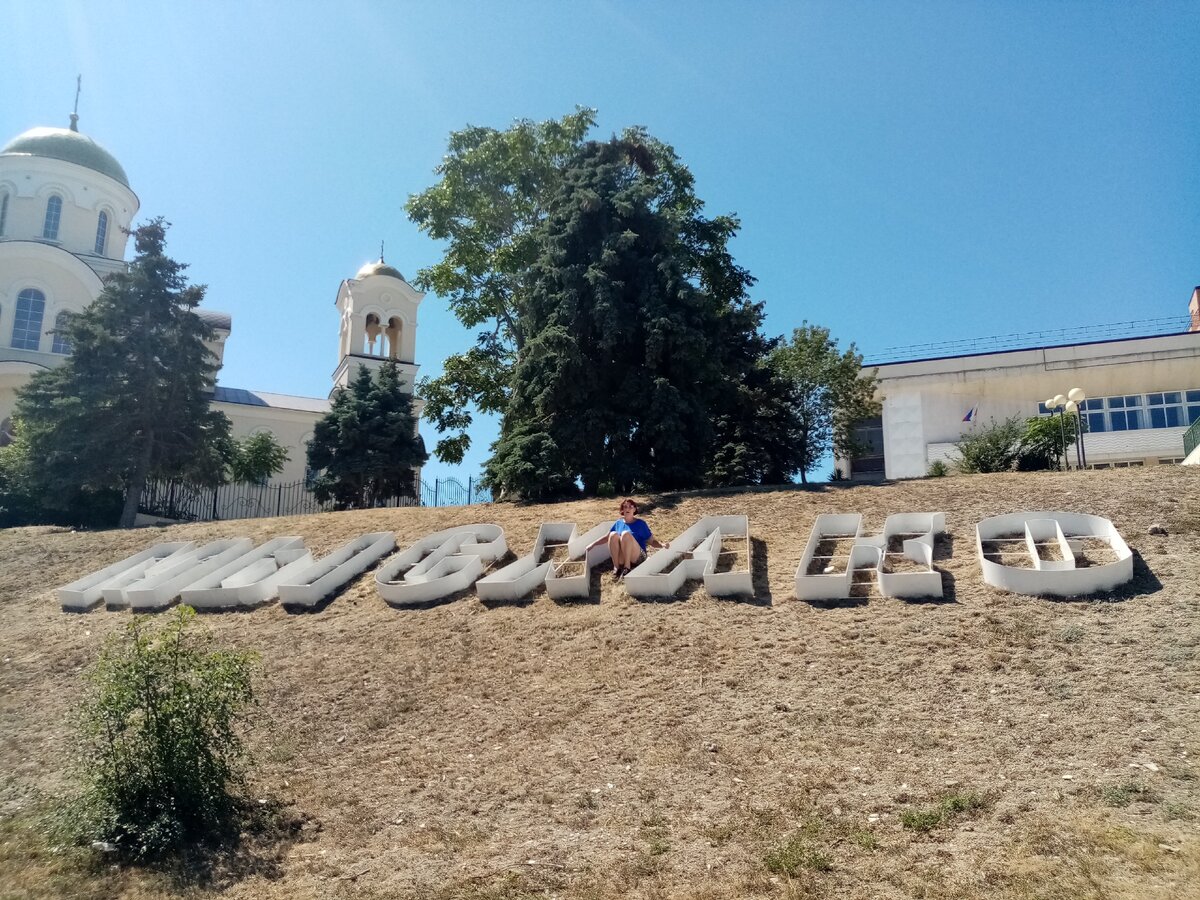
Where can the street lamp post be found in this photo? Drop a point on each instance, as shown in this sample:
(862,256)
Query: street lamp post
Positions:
(1077,396)
(1070,404)
(1056,404)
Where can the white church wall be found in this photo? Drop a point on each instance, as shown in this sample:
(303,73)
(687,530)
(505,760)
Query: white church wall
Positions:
(84,193)
(291,428)
(68,270)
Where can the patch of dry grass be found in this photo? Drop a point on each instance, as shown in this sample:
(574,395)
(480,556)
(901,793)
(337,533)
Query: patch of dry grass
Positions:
(659,750)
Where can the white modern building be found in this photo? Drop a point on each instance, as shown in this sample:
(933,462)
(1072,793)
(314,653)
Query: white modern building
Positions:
(65,207)
(1142,394)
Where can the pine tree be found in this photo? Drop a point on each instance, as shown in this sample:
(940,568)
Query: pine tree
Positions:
(366,448)
(614,383)
(131,402)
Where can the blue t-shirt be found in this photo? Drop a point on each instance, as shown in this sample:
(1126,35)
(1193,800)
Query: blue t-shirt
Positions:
(639,529)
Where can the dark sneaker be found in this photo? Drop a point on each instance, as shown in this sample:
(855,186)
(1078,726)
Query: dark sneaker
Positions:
(620,572)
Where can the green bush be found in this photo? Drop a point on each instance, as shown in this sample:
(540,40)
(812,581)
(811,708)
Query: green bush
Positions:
(990,448)
(1044,442)
(950,807)
(160,740)
(938,469)
(1031,445)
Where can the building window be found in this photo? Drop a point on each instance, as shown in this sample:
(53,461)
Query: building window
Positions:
(3,212)
(27,326)
(61,344)
(1131,412)
(373,341)
(1193,406)
(53,217)
(101,232)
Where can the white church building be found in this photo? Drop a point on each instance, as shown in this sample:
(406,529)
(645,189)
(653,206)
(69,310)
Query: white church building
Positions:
(65,207)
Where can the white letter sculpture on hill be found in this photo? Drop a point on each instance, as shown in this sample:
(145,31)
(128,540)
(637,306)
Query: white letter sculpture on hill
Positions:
(570,577)
(250,580)
(440,564)
(160,585)
(89,590)
(918,532)
(315,581)
(695,554)
(1047,547)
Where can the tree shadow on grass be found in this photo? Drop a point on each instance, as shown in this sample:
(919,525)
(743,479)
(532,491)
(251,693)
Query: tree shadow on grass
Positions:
(255,845)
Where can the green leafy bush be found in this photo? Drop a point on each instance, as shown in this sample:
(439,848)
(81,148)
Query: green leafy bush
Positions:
(1044,442)
(950,807)
(990,448)
(1029,445)
(938,469)
(161,745)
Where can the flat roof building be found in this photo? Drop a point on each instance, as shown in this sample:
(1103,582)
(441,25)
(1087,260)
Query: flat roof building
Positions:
(1142,394)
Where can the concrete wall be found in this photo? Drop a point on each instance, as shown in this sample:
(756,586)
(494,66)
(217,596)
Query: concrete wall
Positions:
(292,428)
(925,401)
(30,181)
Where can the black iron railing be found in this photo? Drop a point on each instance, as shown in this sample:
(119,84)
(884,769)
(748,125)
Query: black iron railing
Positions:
(1191,438)
(178,500)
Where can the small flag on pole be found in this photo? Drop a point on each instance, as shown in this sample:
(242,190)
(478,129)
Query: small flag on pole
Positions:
(970,416)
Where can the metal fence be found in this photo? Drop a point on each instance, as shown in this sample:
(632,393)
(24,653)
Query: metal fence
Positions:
(1191,438)
(177,500)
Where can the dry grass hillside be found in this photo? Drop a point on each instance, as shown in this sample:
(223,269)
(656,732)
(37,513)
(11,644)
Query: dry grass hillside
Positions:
(987,746)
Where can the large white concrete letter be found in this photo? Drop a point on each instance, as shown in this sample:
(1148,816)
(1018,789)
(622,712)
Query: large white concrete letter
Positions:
(915,533)
(1040,553)
(251,579)
(161,584)
(563,577)
(89,590)
(313,581)
(440,564)
(696,554)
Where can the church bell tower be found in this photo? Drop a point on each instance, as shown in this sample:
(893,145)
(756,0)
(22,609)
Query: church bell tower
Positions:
(378,323)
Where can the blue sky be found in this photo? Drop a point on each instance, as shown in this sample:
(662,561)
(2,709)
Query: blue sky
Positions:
(904,172)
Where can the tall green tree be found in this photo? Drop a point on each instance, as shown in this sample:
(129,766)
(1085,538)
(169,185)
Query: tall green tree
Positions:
(487,204)
(828,394)
(490,204)
(255,458)
(366,449)
(622,361)
(131,402)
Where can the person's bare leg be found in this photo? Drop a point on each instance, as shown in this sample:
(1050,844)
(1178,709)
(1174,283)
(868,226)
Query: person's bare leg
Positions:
(632,552)
(614,549)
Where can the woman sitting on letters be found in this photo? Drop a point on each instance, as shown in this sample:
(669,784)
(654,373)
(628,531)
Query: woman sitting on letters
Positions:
(627,540)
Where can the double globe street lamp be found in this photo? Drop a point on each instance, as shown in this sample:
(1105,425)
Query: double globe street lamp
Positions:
(1071,403)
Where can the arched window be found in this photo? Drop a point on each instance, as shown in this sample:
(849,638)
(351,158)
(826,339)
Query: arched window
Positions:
(393,332)
(61,344)
(374,332)
(101,232)
(27,326)
(3,212)
(53,217)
